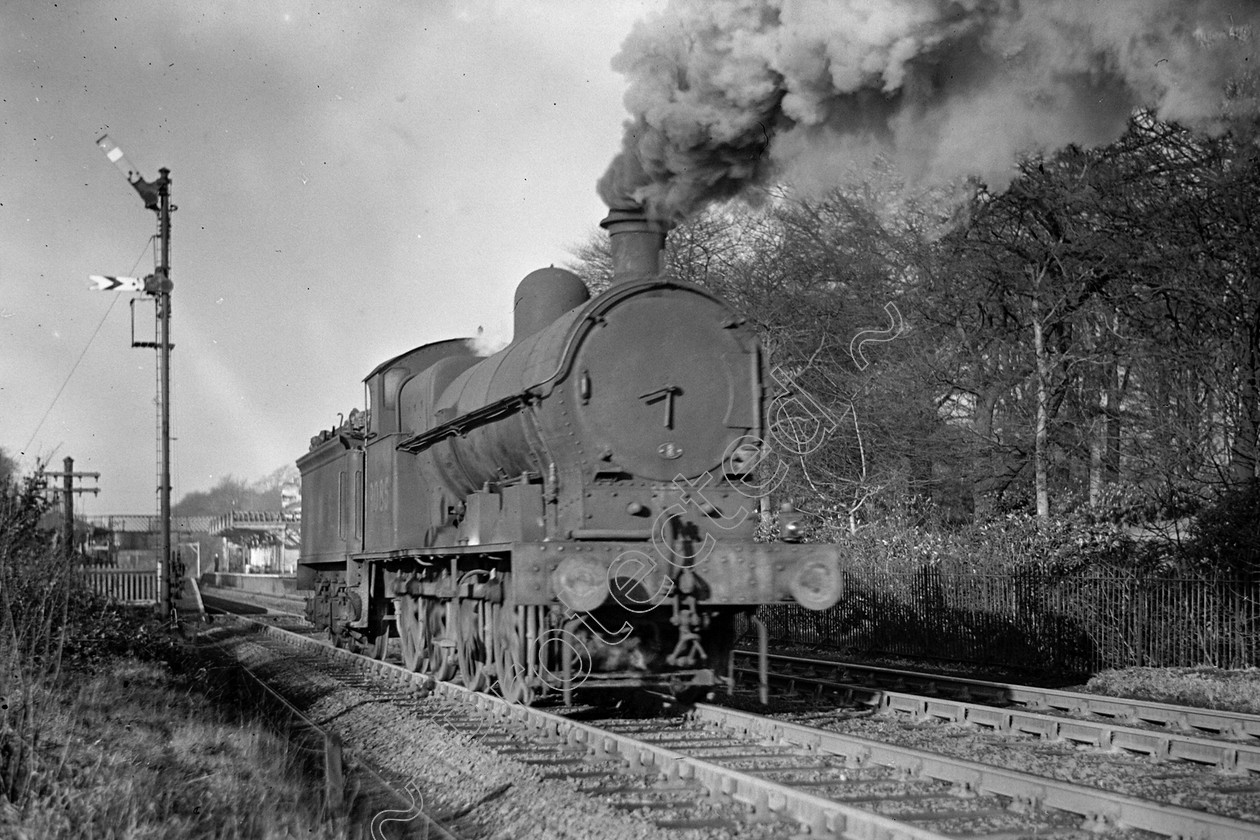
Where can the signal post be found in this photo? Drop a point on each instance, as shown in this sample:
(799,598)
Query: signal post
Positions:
(157,197)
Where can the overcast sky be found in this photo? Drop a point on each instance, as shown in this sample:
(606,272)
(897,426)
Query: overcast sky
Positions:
(353,180)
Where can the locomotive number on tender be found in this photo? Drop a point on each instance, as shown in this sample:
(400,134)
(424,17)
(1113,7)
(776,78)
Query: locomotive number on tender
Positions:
(379,493)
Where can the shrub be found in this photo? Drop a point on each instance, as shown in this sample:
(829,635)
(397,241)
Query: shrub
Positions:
(49,620)
(1225,539)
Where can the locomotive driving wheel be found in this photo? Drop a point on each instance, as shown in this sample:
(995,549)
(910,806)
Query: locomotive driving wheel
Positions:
(509,643)
(441,661)
(411,631)
(470,645)
(421,621)
(376,646)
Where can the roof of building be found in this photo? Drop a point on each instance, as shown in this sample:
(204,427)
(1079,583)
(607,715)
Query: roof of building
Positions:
(150,523)
(254,520)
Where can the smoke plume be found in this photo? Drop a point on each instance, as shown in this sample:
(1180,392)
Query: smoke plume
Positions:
(723,93)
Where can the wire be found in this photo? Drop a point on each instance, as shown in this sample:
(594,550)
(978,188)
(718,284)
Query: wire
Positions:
(92,338)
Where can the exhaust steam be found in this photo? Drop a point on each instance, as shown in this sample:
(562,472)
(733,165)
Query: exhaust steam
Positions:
(727,93)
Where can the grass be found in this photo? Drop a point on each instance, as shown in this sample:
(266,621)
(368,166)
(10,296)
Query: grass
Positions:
(1204,687)
(109,730)
(138,753)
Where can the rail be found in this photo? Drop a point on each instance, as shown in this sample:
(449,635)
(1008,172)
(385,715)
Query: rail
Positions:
(703,758)
(1138,727)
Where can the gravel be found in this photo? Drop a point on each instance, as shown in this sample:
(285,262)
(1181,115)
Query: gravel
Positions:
(1179,783)
(476,793)
(465,783)
(483,794)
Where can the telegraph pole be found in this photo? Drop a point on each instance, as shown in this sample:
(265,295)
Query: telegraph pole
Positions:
(157,197)
(67,495)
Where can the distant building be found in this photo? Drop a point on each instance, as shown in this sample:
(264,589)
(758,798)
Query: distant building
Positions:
(240,541)
(262,542)
(134,541)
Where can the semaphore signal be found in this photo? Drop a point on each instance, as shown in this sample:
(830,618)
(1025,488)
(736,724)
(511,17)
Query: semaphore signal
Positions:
(156,196)
(109,283)
(150,191)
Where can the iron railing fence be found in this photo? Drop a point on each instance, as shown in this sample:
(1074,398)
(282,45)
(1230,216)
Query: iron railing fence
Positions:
(1070,625)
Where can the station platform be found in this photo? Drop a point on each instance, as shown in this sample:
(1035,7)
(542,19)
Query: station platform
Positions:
(279,585)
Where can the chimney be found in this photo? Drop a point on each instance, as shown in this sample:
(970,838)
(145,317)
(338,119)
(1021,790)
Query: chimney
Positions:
(637,242)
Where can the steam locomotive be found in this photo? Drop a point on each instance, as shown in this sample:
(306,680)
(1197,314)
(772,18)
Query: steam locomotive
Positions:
(575,511)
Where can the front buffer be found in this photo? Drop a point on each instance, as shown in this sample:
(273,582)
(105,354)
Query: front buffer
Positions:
(672,620)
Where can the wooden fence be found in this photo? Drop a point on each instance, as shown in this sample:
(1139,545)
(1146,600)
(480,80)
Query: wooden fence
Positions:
(1073,625)
(124,585)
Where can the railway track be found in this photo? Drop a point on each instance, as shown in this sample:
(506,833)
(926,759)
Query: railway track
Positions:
(225,599)
(1226,740)
(718,772)
(354,789)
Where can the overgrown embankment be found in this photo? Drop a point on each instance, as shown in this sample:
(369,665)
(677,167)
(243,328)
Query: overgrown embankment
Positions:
(109,727)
